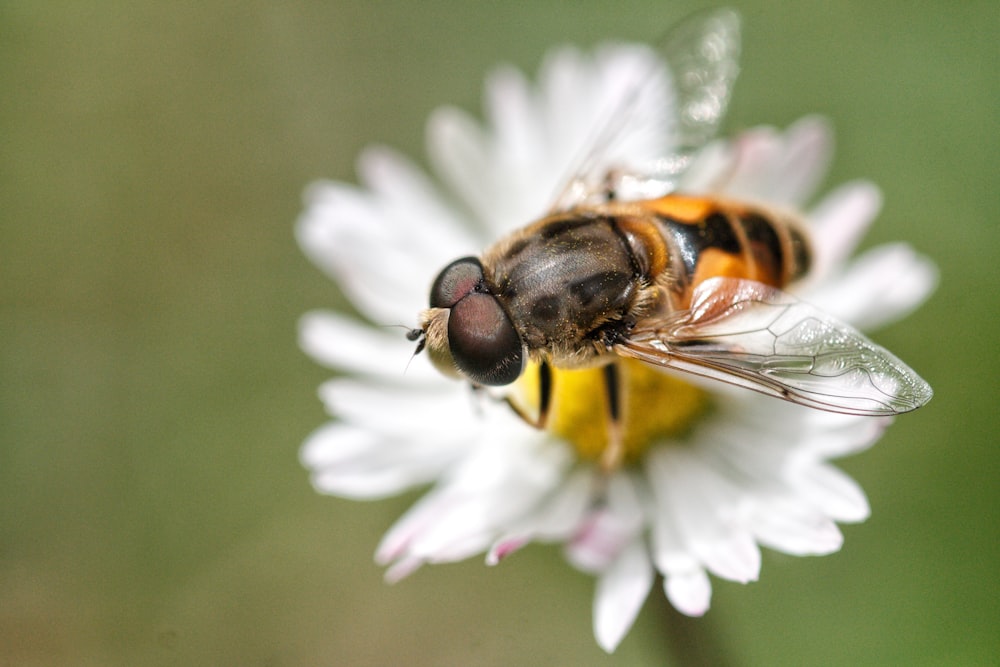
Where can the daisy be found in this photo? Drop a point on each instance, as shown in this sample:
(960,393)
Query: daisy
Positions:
(714,473)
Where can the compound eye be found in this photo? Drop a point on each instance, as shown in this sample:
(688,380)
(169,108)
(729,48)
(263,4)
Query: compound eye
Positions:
(455,281)
(484,342)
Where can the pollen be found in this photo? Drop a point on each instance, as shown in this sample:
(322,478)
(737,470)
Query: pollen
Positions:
(654,406)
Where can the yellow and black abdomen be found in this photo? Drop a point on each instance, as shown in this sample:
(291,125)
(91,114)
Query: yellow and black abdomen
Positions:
(707,239)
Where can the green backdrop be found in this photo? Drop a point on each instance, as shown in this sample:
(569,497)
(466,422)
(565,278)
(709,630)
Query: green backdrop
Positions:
(153,399)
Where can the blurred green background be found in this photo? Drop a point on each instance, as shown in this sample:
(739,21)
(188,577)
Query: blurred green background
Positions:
(153,398)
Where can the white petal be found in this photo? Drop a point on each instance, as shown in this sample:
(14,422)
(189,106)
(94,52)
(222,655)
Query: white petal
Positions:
(501,479)
(669,552)
(333,443)
(834,436)
(685,582)
(347,233)
(459,150)
(689,592)
(359,463)
(734,556)
(838,223)
(401,411)
(347,345)
(526,167)
(512,111)
(702,503)
(583,95)
(648,132)
(761,432)
(621,590)
(834,492)
(881,286)
(791,526)
(436,232)
(567,82)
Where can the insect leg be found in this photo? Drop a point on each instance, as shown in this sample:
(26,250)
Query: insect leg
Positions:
(614,452)
(544,399)
(544,393)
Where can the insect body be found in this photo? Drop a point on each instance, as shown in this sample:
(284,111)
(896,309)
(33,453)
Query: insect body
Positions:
(569,287)
(688,283)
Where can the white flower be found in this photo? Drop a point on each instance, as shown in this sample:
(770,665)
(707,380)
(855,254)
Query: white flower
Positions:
(752,471)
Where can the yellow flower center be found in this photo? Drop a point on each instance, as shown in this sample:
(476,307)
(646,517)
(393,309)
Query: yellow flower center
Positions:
(654,405)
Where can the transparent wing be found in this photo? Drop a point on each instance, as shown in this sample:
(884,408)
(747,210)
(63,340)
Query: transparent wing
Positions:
(754,336)
(681,95)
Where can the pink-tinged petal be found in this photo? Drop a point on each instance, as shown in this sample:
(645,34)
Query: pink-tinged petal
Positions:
(837,224)
(454,527)
(396,542)
(501,479)
(555,519)
(808,151)
(905,280)
(600,539)
(621,590)
(833,492)
(401,569)
(505,547)
(689,592)
(793,527)
(608,528)
(710,169)
(344,344)
(756,154)
(767,166)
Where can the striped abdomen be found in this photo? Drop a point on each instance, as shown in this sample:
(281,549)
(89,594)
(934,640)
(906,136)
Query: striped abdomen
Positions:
(704,239)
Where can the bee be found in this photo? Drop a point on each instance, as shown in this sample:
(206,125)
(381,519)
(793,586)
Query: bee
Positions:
(690,283)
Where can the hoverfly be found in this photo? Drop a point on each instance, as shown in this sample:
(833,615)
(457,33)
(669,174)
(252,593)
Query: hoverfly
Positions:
(692,283)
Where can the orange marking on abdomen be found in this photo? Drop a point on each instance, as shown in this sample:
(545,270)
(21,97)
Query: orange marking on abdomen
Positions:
(685,209)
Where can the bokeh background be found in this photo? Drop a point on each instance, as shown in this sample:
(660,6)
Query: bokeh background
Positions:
(153,399)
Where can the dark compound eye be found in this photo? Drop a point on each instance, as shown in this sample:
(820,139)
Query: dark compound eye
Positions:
(483,341)
(455,281)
